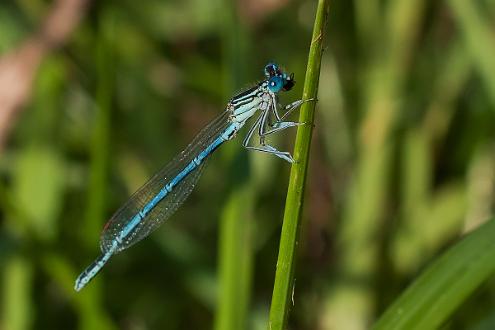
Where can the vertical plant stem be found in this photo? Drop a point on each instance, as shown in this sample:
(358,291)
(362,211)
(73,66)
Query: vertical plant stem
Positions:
(235,256)
(284,276)
(100,140)
(17,307)
(235,253)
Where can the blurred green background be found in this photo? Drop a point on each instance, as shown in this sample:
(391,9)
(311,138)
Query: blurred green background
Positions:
(402,164)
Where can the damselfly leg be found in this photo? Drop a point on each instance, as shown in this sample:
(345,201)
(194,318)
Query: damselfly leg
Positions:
(280,124)
(289,108)
(263,147)
(265,128)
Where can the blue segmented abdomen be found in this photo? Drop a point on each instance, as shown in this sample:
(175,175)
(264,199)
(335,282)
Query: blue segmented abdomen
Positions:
(160,197)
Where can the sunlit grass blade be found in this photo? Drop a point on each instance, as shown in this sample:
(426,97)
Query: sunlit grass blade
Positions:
(444,285)
(284,277)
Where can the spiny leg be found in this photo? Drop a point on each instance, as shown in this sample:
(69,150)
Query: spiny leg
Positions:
(271,150)
(249,134)
(264,147)
(263,121)
(289,108)
(274,109)
(280,125)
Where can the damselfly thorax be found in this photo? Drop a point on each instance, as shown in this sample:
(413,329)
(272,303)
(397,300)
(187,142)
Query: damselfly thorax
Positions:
(246,104)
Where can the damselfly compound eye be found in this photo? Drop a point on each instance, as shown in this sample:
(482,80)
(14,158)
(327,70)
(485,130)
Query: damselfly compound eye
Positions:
(271,69)
(275,84)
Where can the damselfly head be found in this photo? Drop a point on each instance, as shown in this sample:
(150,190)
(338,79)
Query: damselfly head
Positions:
(272,69)
(277,79)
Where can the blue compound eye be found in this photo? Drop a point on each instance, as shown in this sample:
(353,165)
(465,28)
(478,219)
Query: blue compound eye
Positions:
(271,69)
(275,84)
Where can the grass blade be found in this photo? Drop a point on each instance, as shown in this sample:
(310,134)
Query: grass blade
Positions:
(443,286)
(284,277)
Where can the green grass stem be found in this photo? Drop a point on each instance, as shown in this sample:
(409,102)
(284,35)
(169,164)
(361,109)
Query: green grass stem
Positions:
(284,276)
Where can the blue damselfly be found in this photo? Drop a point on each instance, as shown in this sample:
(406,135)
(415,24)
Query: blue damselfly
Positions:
(160,197)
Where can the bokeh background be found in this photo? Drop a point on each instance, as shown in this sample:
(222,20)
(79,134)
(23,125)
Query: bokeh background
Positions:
(96,96)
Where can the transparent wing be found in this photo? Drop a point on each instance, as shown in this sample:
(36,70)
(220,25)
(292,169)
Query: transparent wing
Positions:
(169,204)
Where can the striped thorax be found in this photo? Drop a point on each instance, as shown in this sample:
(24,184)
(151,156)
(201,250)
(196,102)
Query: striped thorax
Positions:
(244,105)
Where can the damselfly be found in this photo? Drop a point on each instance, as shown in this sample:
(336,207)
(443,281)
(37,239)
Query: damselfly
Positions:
(160,197)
